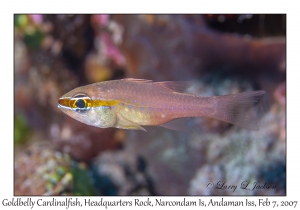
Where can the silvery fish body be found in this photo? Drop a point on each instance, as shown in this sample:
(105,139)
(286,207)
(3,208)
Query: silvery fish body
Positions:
(133,103)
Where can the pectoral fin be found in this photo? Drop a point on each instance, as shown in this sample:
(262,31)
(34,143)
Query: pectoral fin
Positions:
(127,124)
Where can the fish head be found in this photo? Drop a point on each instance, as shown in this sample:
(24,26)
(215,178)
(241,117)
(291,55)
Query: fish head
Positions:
(82,105)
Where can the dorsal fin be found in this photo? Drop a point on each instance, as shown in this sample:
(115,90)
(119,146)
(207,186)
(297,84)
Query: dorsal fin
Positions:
(138,80)
(178,86)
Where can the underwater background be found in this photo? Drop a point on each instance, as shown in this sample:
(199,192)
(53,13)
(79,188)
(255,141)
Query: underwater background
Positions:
(221,54)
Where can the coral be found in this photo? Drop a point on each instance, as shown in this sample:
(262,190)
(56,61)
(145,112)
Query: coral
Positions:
(41,170)
(126,174)
(46,168)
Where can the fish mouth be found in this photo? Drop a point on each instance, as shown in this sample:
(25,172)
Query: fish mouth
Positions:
(59,105)
(63,103)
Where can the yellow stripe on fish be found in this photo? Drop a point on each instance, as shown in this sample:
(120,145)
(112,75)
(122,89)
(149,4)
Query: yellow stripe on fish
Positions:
(86,103)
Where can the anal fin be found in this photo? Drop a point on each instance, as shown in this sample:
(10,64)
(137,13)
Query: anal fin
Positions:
(179,124)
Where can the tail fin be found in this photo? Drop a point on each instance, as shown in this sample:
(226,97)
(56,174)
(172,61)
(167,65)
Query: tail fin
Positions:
(236,109)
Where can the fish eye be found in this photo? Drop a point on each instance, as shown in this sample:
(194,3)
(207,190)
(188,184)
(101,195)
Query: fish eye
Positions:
(79,102)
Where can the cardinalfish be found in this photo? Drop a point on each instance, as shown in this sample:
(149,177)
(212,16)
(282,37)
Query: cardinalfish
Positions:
(133,103)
